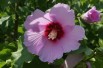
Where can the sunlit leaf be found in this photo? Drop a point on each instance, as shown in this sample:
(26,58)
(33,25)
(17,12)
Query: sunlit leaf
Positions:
(4,19)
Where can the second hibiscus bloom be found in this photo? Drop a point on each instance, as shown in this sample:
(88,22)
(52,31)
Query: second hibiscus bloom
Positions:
(51,34)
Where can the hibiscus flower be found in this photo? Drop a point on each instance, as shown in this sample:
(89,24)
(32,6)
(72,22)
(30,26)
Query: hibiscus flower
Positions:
(51,34)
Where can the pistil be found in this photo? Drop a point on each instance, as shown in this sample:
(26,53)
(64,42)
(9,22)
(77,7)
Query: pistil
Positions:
(52,35)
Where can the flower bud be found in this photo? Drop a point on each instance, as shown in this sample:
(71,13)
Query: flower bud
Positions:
(91,15)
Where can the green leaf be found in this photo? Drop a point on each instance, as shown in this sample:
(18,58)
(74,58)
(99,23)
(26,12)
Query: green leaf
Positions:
(81,49)
(20,30)
(57,63)
(2,63)
(11,46)
(101,42)
(5,54)
(100,32)
(81,65)
(88,51)
(4,19)
(99,60)
(21,56)
(36,63)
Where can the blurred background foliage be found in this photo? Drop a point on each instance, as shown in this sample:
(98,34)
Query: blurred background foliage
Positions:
(13,13)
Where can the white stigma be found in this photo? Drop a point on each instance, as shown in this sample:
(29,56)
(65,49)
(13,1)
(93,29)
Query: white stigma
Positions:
(52,35)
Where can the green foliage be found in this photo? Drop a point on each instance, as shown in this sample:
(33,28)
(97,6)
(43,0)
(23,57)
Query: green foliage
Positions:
(14,54)
(21,56)
(5,53)
(2,63)
(98,60)
(36,63)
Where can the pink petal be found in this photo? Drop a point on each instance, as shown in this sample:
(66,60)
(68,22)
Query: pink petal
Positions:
(50,52)
(63,16)
(62,5)
(70,45)
(94,15)
(48,17)
(41,23)
(36,14)
(33,41)
(78,33)
(66,43)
